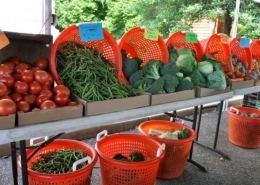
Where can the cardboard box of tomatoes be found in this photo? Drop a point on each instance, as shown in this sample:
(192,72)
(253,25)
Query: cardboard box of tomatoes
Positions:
(26,85)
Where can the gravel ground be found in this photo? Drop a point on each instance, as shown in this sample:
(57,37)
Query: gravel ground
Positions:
(242,169)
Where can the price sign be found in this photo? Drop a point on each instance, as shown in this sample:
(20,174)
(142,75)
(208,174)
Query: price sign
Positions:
(151,34)
(91,31)
(3,40)
(224,39)
(244,42)
(191,37)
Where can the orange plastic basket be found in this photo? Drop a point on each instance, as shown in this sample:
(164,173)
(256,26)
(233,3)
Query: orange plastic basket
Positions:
(178,39)
(135,45)
(79,177)
(176,151)
(255,49)
(128,173)
(217,49)
(108,47)
(243,53)
(244,131)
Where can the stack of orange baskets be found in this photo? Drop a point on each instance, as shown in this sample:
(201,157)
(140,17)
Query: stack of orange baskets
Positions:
(243,131)
(176,151)
(178,39)
(108,47)
(78,177)
(127,173)
(216,47)
(243,53)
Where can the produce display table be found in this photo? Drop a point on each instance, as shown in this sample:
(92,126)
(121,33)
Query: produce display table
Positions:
(248,90)
(55,127)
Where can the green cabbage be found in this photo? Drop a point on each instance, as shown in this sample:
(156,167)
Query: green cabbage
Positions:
(183,51)
(186,63)
(205,67)
(216,80)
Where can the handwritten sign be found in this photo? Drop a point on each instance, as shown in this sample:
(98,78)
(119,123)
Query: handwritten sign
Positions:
(151,34)
(91,31)
(224,39)
(3,40)
(244,42)
(191,37)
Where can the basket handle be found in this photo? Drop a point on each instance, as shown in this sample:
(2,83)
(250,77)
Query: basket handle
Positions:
(232,108)
(75,164)
(155,130)
(159,151)
(36,138)
(104,132)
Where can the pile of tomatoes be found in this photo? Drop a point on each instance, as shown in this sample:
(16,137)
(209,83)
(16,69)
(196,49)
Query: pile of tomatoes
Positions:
(24,87)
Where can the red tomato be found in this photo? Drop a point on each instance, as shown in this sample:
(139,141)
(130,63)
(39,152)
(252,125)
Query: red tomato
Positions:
(50,80)
(72,103)
(21,67)
(61,99)
(34,87)
(17,77)
(9,91)
(46,92)
(15,60)
(27,76)
(35,69)
(61,89)
(48,104)
(6,97)
(45,86)
(3,89)
(7,107)
(42,63)
(16,97)
(22,106)
(20,87)
(10,65)
(7,80)
(41,76)
(4,70)
(41,99)
(31,99)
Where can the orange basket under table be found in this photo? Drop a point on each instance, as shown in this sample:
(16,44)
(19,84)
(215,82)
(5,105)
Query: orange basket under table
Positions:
(243,131)
(216,47)
(178,39)
(243,53)
(255,49)
(176,151)
(107,46)
(78,177)
(116,172)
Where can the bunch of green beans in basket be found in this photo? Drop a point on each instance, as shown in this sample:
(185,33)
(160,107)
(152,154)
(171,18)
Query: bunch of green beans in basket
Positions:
(58,161)
(89,75)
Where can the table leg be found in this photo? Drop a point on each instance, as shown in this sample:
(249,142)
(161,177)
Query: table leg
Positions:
(14,162)
(24,162)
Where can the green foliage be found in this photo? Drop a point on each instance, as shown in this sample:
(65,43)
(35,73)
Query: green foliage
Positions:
(169,68)
(198,79)
(138,75)
(185,84)
(152,69)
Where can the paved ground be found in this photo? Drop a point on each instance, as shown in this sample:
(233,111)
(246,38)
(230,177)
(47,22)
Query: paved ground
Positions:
(242,169)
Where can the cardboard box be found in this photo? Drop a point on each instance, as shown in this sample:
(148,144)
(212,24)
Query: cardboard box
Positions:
(107,106)
(241,84)
(28,47)
(40,116)
(7,122)
(256,82)
(201,92)
(171,97)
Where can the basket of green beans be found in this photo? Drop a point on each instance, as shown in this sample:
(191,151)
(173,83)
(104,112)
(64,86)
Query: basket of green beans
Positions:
(62,161)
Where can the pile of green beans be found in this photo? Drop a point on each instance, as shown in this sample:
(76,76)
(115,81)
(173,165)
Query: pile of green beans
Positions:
(58,161)
(89,75)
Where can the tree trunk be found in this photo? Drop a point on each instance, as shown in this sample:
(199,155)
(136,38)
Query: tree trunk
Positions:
(227,23)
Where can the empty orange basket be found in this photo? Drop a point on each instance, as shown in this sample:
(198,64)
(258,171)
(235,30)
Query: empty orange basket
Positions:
(176,151)
(255,48)
(243,131)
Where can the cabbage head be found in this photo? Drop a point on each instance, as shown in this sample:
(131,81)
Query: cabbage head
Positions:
(183,51)
(186,64)
(216,80)
(205,67)
(198,79)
